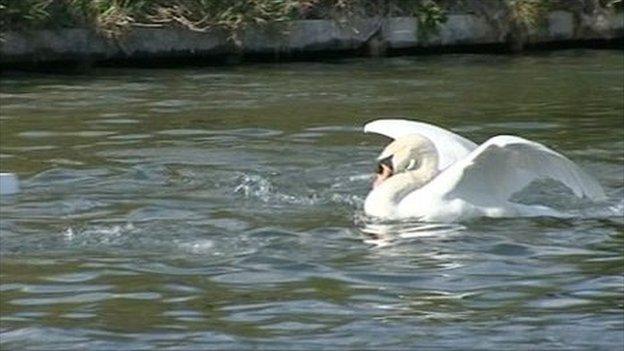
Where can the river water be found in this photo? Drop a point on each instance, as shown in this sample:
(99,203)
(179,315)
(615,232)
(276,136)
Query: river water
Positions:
(221,208)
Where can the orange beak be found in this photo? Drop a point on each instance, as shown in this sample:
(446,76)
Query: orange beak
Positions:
(386,172)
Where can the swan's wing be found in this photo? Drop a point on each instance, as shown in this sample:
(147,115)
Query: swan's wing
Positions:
(504,165)
(451,147)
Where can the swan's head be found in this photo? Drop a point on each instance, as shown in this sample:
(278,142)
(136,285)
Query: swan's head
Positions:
(404,154)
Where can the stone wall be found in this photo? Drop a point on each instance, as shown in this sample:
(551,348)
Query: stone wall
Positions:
(368,36)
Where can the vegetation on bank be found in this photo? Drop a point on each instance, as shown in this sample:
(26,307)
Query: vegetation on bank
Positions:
(113,17)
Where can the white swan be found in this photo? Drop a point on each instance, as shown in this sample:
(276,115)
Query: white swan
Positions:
(434,175)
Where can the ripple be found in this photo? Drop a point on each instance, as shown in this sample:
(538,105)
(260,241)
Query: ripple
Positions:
(77,277)
(192,209)
(55,289)
(184,132)
(73,299)
(524,125)
(130,137)
(116,120)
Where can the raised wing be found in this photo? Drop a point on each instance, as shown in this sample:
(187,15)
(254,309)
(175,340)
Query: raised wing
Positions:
(451,147)
(504,165)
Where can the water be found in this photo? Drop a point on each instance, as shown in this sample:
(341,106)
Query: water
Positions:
(221,208)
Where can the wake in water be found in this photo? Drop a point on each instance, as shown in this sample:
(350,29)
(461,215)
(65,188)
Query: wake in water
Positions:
(256,187)
(392,233)
(163,229)
(546,193)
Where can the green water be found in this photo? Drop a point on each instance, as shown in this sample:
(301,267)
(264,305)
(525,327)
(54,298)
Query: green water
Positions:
(221,208)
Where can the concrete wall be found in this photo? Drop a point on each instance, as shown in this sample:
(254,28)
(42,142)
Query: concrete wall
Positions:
(305,36)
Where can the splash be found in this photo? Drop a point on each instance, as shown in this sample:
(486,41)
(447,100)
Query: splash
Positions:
(199,247)
(612,210)
(97,234)
(255,187)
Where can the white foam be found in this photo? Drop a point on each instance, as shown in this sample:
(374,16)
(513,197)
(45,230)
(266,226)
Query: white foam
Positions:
(8,184)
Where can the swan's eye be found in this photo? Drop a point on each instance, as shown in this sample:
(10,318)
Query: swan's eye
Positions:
(413,164)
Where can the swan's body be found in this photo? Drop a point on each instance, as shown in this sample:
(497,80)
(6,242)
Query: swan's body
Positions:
(436,175)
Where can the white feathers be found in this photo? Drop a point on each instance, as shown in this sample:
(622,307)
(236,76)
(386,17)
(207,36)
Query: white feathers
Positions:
(477,181)
(451,147)
(505,164)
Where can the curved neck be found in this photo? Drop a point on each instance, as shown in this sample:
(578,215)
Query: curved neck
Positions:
(383,200)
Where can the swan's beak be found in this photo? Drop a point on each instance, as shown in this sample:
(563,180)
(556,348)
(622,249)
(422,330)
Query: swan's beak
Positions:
(385,173)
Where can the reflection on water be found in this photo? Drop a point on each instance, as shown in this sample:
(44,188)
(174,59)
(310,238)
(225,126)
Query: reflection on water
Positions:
(388,233)
(222,209)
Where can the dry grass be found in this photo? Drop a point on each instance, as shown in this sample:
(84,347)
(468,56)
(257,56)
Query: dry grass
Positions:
(113,17)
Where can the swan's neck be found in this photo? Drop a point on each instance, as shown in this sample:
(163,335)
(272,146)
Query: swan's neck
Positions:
(383,200)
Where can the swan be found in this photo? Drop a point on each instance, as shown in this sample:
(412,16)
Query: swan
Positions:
(434,175)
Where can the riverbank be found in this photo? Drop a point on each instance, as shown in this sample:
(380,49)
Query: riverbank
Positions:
(307,39)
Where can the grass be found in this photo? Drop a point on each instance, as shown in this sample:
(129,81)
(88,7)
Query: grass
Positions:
(528,13)
(112,17)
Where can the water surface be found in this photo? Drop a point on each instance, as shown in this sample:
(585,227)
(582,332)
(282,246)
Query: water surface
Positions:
(221,208)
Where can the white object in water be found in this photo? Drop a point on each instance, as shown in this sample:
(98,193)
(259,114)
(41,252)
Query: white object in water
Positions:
(8,184)
(434,175)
